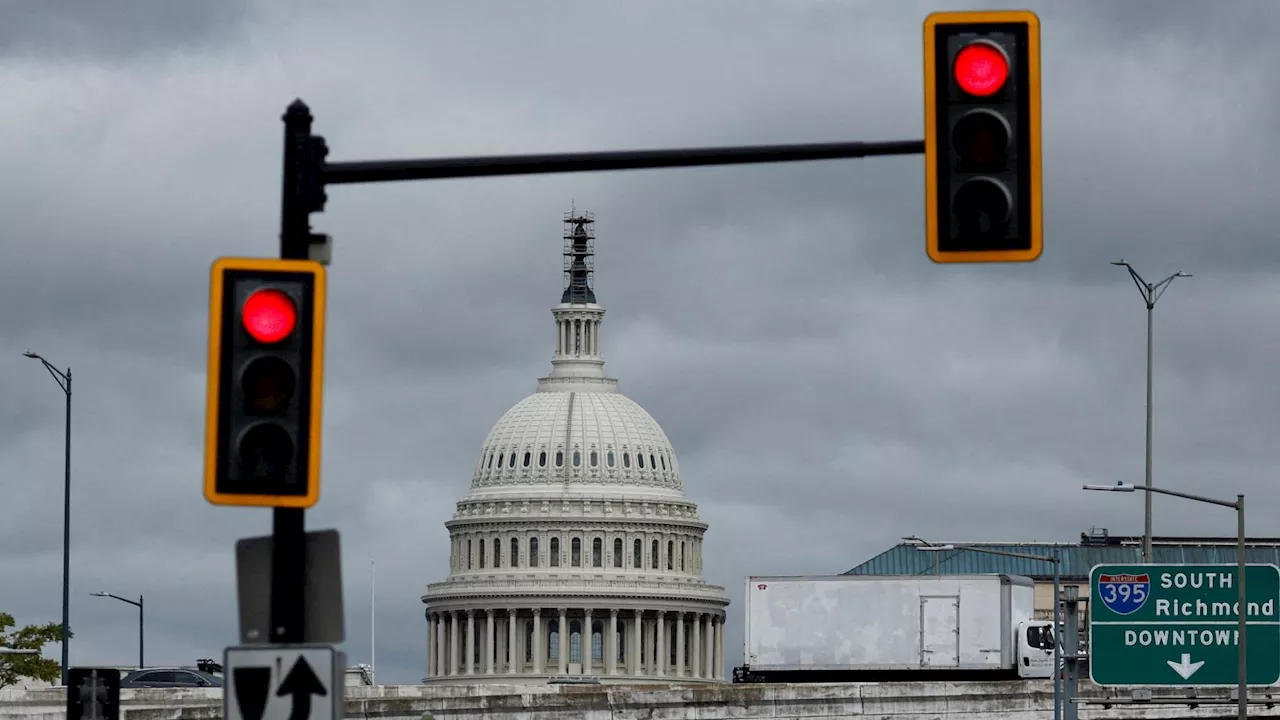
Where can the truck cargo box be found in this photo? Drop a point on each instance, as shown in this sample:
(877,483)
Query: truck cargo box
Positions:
(895,623)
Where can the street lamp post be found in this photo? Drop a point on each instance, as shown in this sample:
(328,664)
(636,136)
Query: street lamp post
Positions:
(1242,682)
(137,604)
(1150,294)
(1057,566)
(64,381)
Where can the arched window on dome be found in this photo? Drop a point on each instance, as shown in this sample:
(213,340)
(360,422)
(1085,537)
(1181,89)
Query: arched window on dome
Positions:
(515,553)
(608,458)
(640,460)
(653,560)
(512,461)
(533,552)
(559,458)
(497,554)
(597,553)
(555,553)
(663,458)
(653,465)
(597,640)
(528,458)
(617,552)
(671,551)
(637,555)
(468,553)
(490,459)
(682,548)
(575,641)
(542,459)
(595,458)
(575,552)
(626,459)
(553,640)
(577,458)
(482,556)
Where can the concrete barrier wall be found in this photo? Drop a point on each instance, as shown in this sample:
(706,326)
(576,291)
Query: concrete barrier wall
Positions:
(898,701)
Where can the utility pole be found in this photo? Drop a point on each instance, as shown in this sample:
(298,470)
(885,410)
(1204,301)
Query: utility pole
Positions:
(1150,294)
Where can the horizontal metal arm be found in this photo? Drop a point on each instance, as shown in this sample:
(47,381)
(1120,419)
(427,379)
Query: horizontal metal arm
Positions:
(1189,496)
(339,173)
(1025,556)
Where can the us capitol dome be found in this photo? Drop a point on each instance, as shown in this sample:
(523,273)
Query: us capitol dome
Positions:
(576,554)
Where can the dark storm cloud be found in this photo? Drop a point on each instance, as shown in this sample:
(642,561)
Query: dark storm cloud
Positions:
(781,322)
(129,29)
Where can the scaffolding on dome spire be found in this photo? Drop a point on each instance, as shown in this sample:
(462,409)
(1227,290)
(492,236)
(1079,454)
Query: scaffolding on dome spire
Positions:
(579,257)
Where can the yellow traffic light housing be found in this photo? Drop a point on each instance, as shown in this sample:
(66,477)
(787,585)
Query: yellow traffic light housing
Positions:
(982,136)
(265,382)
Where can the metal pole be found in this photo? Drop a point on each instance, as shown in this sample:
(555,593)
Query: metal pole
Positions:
(66,543)
(288,525)
(373,621)
(1147,532)
(1243,681)
(141,663)
(1057,638)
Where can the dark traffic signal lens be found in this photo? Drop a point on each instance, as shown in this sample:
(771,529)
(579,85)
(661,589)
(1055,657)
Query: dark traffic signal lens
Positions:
(981,141)
(268,383)
(266,450)
(981,68)
(983,206)
(269,315)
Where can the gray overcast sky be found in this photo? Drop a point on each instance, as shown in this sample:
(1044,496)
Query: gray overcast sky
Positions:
(828,389)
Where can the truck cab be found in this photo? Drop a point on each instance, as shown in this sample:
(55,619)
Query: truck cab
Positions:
(1035,649)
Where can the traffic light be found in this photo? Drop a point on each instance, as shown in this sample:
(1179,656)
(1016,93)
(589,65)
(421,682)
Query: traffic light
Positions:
(266,358)
(982,136)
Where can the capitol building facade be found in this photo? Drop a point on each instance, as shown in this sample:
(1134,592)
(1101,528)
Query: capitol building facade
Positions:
(576,554)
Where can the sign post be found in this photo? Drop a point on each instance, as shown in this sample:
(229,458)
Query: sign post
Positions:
(1178,625)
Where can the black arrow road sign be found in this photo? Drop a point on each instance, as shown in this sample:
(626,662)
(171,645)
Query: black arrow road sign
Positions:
(282,682)
(301,683)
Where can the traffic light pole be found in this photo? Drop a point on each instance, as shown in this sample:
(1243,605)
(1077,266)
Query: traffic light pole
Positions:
(288,525)
(305,176)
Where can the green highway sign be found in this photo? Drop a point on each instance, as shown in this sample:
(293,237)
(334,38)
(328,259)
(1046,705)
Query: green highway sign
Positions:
(1153,625)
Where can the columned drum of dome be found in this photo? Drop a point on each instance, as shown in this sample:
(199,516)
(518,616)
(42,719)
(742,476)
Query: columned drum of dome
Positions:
(576,553)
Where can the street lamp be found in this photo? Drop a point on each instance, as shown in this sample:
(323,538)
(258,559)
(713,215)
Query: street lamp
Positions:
(64,381)
(1150,294)
(137,604)
(1242,682)
(1057,566)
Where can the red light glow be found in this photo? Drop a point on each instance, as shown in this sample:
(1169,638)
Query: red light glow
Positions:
(269,315)
(981,69)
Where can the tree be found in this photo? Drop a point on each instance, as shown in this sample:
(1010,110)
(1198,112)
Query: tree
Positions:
(31,637)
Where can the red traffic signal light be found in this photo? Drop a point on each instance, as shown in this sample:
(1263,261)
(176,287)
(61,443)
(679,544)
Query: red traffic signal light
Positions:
(982,136)
(269,315)
(981,68)
(266,358)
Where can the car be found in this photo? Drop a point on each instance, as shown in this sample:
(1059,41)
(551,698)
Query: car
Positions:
(175,677)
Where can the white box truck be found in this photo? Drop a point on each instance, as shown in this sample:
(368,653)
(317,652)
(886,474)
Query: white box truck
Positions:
(844,628)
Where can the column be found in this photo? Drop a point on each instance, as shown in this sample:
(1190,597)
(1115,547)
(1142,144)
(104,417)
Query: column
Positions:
(595,337)
(563,633)
(442,648)
(711,647)
(539,648)
(636,667)
(471,642)
(660,641)
(431,644)
(652,645)
(588,643)
(720,650)
(680,669)
(695,647)
(490,641)
(611,645)
(454,645)
(514,657)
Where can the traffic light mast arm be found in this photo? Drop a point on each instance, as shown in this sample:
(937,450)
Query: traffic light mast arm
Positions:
(366,171)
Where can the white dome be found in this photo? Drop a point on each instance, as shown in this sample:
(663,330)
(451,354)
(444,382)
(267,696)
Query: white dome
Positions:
(576,440)
(575,546)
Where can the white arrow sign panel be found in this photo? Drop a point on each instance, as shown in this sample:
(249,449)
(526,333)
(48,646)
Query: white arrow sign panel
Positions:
(281,682)
(1186,668)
